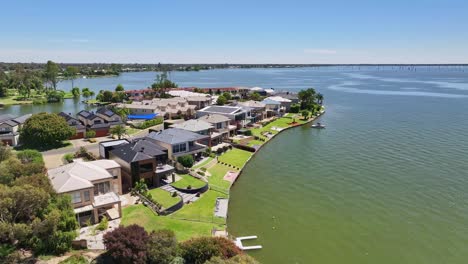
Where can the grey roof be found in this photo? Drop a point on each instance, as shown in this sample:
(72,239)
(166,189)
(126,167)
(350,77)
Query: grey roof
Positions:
(87,115)
(220,109)
(65,115)
(288,95)
(214,118)
(270,102)
(175,136)
(141,149)
(6,117)
(22,118)
(79,175)
(194,125)
(251,104)
(105,111)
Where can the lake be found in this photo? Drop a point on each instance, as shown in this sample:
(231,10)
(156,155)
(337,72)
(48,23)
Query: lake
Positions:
(385,182)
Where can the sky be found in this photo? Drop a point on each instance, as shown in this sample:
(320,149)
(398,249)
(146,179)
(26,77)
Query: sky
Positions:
(236,31)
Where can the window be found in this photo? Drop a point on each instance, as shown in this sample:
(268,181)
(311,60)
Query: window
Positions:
(76,197)
(146,168)
(87,198)
(219,125)
(179,148)
(101,188)
(97,121)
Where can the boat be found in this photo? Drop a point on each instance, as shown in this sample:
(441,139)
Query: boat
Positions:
(318,125)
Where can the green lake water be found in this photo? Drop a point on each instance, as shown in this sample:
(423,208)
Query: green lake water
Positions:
(385,182)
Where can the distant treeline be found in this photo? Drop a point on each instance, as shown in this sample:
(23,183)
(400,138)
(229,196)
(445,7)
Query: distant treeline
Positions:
(115,68)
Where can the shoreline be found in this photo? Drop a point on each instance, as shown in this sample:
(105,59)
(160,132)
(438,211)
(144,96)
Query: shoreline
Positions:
(260,147)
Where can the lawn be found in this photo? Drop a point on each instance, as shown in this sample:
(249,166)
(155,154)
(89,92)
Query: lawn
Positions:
(217,174)
(282,122)
(203,163)
(184,230)
(188,180)
(164,197)
(202,209)
(132,130)
(13,100)
(255,142)
(236,157)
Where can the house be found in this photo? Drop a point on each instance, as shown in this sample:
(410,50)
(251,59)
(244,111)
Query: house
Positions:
(9,128)
(169,108)
(141,159)
(94,122)
(179,142)
(203,128)
(236,114)
(285,103)
(221,124)
(74,123)
(109,116)
(199,101)
(272,107)
(289,95)
(94,188)
(258,109)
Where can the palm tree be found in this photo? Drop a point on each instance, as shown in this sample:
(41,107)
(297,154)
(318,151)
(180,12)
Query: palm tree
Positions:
(118,131)
(319,98)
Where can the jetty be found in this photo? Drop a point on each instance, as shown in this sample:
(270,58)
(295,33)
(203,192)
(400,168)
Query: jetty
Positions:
(239,244)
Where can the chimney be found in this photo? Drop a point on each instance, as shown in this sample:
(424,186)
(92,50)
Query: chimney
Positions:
(142,149)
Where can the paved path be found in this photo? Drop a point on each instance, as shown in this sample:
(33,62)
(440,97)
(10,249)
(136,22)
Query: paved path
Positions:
(186,197)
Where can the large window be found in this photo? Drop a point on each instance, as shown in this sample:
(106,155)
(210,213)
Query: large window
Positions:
(76,197)
(179,148)
(219,125)
(146,168)
(101,188)
(87,197)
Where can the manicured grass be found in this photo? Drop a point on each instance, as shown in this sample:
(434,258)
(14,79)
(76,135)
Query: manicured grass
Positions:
(164,197)
(203,163)
(236,157)
(255,142)
(132,130)
(217,174)
(202,209)
(184,230)
(75,259)
(282,122)
(188,180)
(13,100)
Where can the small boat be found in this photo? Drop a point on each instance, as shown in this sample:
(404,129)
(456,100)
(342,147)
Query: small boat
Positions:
(318,125)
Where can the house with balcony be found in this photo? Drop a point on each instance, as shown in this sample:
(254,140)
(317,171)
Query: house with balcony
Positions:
(94,188)
(9,128)
(94,122)
(257,109)
(203,128)
(169,108)
(238,115)
(221,124)
(285,104)
(74,123)
(109,117)
(140,159)
(272,107)
(179,142)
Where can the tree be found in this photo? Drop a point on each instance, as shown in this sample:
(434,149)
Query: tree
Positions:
(87,92)
(55,96)
(90,134)
(45,129)
(307,98)
(104,96)
(76,92)
(119,88)
(305,114)
(3,88)
(295,108)
(51,74)
(5,152)
(319,97)
(118,131)
(70,74)
(239,259)
(118,97)
(127,244)
(162,83)
(227,95)
(199,250)
(255,96)
(162,247)
(221,100)
(186,161)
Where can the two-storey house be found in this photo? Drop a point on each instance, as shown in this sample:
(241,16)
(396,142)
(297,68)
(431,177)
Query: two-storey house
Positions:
(9,128)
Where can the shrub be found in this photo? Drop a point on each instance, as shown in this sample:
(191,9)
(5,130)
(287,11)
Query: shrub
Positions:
(103,225)
(149,123)
(295,108)
(174,194)
(225,148)
(92,140)
(200,250)
(162,247)
(40,100)
(69,157)
(30,155)
(243,147)
(220,151)
(189,187)
(204,169)
(127,244)
(248,132)
(202,173)
(212,155)
(186,161)
(90,134)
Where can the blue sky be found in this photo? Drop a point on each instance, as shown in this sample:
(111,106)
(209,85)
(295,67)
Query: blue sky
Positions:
(177,31)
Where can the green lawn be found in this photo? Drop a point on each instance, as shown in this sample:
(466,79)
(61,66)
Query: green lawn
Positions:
(13,100)
(188,180)
(217,174)
(164,197)
(184,230)
(132,130)
(236,157)
(202,209)
(255,142)
(282,122)
(203,163)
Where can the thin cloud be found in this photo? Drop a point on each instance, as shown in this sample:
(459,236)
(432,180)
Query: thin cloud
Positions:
(320,51)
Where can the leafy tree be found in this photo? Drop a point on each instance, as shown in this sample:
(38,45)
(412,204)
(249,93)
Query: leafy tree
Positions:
(55,96)
(105,96)
(118,97)
(221,100)
(227,95)
(255,96)
(21,203)
(305,114)
(119,88)
(239,259)
(90,134)
(123,112)
(200,250)
(118,131)
(30,156)
(45,129)
(75,91)
(70,74)
(5,152)
(86,92)
(307,98)
(210,91)
(162,247)
(3,88)
(51,74)
(319,97)
(295,108)
(186,161)
(127,244)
